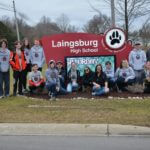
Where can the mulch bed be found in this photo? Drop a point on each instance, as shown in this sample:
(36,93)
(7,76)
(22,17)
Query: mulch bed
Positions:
(82,95)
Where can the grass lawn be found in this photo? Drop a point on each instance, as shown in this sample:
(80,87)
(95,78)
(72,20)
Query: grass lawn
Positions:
(27,110)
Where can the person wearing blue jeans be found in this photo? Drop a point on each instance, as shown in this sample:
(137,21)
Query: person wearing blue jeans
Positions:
(53,81)
(73,78)
(109,71)
(4,69)
(100,84)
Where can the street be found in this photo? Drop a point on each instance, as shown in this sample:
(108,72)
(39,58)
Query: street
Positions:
(74,143)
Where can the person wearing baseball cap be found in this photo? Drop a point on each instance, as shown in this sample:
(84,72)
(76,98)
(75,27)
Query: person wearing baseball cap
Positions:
(137,60)
(62,73)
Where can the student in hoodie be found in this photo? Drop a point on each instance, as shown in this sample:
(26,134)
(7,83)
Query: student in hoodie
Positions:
(36,80)
(109,71)
(100,84)
(4,69)
(62,73)
(73,78)
(137,60)
(26,48)
(18,64)
(124,76)
(37,54)
(52,81)
(87,79)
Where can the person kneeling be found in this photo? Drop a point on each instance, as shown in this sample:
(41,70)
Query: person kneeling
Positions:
(100,84)
(53,81)
(36,81)
(73,78)
(125,76)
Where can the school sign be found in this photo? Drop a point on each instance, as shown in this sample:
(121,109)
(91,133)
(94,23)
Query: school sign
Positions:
(82,45)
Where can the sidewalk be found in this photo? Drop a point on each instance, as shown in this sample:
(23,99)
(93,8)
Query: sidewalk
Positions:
(72,129)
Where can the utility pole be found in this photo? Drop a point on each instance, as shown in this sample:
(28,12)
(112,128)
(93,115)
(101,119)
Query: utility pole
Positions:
(113,22)
(16,21)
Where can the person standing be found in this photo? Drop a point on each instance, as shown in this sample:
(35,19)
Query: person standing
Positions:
(4,68)
(137,60)
(37,54)
(18,64)
(26,49)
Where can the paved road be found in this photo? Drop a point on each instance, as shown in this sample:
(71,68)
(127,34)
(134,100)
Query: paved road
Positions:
(73,143)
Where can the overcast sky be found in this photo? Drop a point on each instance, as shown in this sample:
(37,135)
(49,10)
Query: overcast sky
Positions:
(78,11)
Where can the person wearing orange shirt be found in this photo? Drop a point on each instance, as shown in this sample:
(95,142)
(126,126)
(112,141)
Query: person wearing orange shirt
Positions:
(18,64)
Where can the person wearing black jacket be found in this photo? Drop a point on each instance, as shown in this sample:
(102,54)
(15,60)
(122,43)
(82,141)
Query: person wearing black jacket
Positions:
(73,77)
(100,84)
(87,79)
(62,73)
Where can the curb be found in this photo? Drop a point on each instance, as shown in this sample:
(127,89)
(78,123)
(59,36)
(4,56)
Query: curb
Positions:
(73,129)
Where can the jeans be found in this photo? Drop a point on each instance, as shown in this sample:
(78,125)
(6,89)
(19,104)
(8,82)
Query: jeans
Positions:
(71,87)
(33,88)
(18,77)
(122,84)
(139,75)
(62,91)
(51,87)
(111,82)
(99,91)
(4,80)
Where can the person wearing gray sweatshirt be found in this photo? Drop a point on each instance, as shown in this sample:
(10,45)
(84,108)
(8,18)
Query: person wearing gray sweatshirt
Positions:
(52,80)
(124,75)
(137,60)
(4,68)
(37,55)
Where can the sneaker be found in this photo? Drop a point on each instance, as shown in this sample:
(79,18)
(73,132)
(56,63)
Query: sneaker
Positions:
(20,94)
(14,94)
(53,97)
(49,94)
(25,91)
(7,95)
(93,93)
(1,97)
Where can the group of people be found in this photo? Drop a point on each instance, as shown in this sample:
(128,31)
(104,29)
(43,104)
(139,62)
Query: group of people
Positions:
(27,63)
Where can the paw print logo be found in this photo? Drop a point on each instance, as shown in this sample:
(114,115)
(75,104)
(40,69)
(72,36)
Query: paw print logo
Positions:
(115,38)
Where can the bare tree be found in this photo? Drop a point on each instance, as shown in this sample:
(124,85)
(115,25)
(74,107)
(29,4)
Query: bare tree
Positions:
(144,33)
(98,24)
(63,22)
(128,11)
(46,27)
